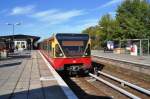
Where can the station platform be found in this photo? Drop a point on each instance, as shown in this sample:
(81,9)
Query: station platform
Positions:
(136,63)
(141,60)
(28,75)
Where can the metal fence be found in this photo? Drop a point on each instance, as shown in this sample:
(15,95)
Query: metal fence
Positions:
(142,45)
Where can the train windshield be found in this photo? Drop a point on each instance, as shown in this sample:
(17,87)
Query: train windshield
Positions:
(73,45)
(73,48)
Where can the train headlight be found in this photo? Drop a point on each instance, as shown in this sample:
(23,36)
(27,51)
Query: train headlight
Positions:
(60,54)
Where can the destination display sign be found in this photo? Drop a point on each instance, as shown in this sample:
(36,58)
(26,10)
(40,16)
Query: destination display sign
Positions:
(72,43)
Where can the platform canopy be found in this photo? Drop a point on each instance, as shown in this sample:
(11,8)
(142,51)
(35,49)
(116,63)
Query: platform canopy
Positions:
(19,36)
(11,40)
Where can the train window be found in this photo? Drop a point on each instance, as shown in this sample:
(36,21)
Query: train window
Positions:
(44,47)
(58,52)
(49,47)
(53,51)
(88,51)
(73,48)
(50,50)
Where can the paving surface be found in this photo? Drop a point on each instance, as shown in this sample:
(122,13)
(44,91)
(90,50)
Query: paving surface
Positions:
(141,60)
(26,76)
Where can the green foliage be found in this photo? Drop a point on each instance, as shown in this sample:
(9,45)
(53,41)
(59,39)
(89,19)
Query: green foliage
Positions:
(134,17)
(96,35)
(132,21)
(110,27)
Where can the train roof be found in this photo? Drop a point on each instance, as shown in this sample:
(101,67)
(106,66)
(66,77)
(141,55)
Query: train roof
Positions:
(65,34)
(71,34)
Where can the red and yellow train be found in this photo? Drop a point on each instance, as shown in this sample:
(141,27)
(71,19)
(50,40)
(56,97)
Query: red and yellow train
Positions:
(68,52)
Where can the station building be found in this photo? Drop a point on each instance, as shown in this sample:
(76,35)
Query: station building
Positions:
(19,42)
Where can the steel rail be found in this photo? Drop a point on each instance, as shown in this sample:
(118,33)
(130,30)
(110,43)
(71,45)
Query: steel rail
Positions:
(126,83)
(115,87)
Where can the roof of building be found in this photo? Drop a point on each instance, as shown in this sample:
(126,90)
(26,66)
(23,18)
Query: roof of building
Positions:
(20,36)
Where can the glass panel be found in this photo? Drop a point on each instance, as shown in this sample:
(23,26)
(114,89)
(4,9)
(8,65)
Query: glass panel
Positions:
(58,52)
(73,48)
(73,45)
(88,51)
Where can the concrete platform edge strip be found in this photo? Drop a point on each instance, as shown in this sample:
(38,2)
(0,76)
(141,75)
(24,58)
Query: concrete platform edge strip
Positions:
(122,60)
(68,92)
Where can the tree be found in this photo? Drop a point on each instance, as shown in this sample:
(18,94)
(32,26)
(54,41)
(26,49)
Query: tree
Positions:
(134,18)
(110,27)
(107,29)
(95,33)
(132,21)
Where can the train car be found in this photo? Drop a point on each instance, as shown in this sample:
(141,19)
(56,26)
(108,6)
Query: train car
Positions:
(68,52)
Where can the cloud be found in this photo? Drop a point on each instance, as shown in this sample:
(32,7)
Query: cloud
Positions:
(45,30)
(55,16)
(75,27)
(111,3)
(108,4)
(22,10)
(87,23)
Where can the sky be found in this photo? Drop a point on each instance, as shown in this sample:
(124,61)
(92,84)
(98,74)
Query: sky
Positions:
(45,17)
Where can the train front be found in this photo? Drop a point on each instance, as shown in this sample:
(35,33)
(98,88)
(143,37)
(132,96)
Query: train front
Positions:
(75,52)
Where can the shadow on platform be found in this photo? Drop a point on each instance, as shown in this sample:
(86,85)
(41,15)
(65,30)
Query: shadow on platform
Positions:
(50,92)
(14,59)
(10,64)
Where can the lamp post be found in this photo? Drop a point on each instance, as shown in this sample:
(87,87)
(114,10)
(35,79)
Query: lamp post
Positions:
(13,25)
(13,30)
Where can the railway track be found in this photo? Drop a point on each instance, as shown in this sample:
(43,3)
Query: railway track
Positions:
(139,82)
(98,87)
(125,88)
(83,89)
(105,86)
